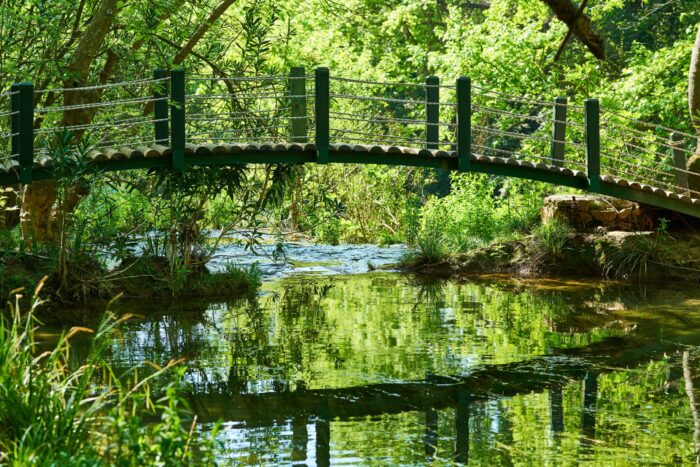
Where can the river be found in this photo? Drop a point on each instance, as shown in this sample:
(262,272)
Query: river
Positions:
(335,363)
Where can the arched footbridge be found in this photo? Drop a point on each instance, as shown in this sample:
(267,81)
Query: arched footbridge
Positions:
(175,120)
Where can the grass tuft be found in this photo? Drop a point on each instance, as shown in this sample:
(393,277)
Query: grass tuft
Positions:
(55,410)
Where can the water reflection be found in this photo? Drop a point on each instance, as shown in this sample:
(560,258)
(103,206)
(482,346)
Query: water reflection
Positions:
(386,369)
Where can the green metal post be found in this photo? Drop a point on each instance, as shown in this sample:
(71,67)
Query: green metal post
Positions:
(26,132)
(559,132)
(14,102)
(297,92)
(432,112)
(323,105)
(464,123)
(590,400)
(177,118)
(162,130)
(593,144)
(679,163)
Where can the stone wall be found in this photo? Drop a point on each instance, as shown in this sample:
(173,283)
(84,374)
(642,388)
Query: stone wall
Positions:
(587,212)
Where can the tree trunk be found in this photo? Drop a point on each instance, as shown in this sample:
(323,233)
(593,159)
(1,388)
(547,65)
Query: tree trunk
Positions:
(39,197)
(201,30)
(694,107)
(694,86)
(37,217)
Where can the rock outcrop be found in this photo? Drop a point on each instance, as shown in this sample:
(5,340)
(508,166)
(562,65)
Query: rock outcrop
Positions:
(587,212)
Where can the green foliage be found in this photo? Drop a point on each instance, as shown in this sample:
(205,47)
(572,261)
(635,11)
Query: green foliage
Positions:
(550,239)
(407,40)
(354,204)
(248,277)
(431,239)
(54,409)
(479,211)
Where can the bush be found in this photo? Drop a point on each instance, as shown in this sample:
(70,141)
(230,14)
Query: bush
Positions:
(478,211)
(551,239)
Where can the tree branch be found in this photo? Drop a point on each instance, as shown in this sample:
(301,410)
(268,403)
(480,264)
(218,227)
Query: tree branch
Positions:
(579,24)
(201,30)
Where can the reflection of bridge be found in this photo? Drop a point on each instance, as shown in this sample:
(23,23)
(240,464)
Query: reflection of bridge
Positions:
(430,395)
(174,122)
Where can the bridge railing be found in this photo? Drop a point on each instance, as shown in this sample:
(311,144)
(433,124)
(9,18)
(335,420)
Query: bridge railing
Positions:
(115,119)
(267,109)
(174,111)
(646,153)
(392,114)
(526,129)
(9,132)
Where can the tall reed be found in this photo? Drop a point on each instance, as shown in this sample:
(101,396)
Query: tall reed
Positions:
(57,411)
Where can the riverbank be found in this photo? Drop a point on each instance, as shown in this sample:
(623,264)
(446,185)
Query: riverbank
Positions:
(648,256)
(232,272)
(586,236)
(135,277)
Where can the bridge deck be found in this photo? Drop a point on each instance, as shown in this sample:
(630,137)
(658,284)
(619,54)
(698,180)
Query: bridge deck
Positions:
(449,126)
(219,154)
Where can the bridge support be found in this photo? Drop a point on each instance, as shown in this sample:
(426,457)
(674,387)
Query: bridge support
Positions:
(679,162)
(25,141)
(323,439)
(160,108)
(462,428)
(559,132)
(14,123)
(323,104)
(177,118)
(588,413)
(464,123)
(593,144)
(430,439)
(432,112)
(556,409)
(297,99)
(300,438)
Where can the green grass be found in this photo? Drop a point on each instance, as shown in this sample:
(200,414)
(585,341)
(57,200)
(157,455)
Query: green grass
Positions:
(551,239)
(55,410)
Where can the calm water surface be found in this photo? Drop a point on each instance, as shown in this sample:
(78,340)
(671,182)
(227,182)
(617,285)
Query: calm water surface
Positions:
(380,368)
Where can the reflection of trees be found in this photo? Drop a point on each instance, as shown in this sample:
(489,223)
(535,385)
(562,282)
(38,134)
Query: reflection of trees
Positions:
(252,343)
(325,331)
(690,390)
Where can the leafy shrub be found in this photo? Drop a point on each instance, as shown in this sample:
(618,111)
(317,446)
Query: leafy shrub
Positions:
(431,242)
(478,211)
(250,276)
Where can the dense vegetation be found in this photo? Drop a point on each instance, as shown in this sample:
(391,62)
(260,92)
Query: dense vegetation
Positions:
(153,233)
(78,227)
(81,412)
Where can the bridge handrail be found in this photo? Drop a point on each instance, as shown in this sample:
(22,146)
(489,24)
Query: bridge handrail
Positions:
(470,120)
